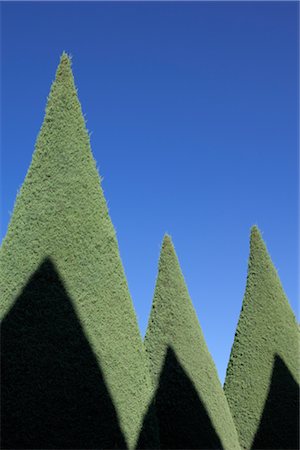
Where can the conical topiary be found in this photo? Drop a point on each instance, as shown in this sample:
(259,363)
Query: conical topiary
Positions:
(191,407)
(61,250)
(263,372)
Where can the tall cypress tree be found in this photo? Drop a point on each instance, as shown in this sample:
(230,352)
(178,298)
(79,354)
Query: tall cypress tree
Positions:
(191,407)
(70,336)
(262,379)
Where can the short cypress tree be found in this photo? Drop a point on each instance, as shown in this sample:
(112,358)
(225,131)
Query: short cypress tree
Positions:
(191,407)
(61,251)
(263,372)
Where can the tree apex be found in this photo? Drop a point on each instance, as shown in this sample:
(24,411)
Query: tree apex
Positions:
(167,243)
(64,69)
(167,238)
(258,248)
(255,234)
(65,58)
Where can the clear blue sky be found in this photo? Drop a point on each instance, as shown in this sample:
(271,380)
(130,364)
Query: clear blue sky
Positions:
(193,109)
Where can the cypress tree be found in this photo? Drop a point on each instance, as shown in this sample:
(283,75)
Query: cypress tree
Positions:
(191,407)
(66,309)
(262,379)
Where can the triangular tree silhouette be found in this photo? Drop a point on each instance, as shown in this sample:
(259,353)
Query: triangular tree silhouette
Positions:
(279,423)
(53,390)
(184,421)
(266,328)
(61,212)
(191,407)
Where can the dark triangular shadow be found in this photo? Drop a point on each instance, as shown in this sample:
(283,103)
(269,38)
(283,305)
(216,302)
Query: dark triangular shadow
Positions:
(279,424)
(149,430)
(53,393)
(182,417)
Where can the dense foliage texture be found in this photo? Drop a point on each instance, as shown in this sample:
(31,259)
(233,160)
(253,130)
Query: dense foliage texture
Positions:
(262,379)
(74,370)
(191,407)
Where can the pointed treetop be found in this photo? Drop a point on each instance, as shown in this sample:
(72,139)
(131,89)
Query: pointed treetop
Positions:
(63,92)
(266,327)
(174,327)
(64,68)
(171,295)
(256,237)
(255,232)
(167,246)
(61,213)
(65,57)
(259,256)
(167,239)
(261,269)
(64,130)
(169,270)
(257,244)
(65,61)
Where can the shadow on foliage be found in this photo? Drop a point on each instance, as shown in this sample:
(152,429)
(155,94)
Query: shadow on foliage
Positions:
(279,423)
(149,436)
(182,417)
(53,392)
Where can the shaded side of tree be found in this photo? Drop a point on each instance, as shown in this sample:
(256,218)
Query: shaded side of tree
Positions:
(149,429)
(183,420)
(279,424)
(53,393)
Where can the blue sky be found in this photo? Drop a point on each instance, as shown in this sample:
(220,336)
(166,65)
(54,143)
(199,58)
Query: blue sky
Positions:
(193,109)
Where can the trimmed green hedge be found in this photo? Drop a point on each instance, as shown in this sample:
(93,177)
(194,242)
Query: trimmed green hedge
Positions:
(74,371)
(191,406)
(61,231)
(262,380)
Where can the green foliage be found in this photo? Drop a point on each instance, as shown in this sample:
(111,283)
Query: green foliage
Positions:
(74,369)
(191,407)
(263,372)
(61,216)
(53,391)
